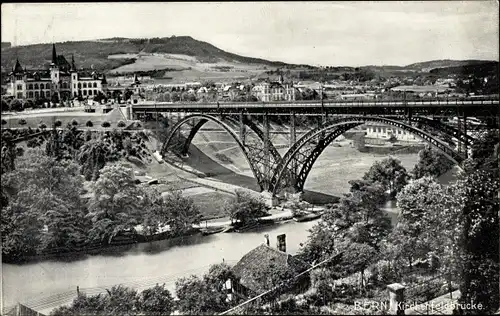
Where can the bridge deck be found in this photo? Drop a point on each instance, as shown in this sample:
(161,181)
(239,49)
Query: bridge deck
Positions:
(482,107)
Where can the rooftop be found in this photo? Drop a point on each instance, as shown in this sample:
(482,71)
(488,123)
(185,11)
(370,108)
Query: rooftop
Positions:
(259,257)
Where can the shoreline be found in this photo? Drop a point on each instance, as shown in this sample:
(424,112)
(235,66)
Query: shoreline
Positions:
(198,231)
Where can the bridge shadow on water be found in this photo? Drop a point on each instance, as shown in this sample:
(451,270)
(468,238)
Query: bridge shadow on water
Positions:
(201,162)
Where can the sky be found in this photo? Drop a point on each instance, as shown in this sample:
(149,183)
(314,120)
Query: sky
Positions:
(318,33)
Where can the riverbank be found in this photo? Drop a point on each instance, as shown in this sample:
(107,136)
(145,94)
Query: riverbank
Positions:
(225,225)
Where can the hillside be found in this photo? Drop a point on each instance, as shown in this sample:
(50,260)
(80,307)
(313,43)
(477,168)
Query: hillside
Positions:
(443,63)
(97,52)
(482,69)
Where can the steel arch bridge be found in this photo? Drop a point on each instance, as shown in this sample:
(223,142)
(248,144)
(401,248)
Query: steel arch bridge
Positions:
(252,141)
(277,173)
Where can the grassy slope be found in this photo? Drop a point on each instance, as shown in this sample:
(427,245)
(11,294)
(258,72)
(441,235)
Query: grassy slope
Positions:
(96,53)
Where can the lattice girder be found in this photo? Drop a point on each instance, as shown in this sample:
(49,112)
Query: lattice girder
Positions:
(252,145)
(308,148)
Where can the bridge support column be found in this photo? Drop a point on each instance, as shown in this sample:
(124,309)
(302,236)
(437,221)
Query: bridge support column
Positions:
(242,129)
(459,127)
(267,156)
(465,133)
(293,139)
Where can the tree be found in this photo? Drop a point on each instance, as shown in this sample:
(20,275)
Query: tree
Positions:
(89,124)
(8,155)
(119,300)
(197,297)
(45,210)
(16,105)
(92,158)
(155,301)
(54,146)
(116,203)
(54,98)
(390,173)
(5,106)
(156,215)
(245,208)
(413,235)
(83,305)
(356,257)
(476,235)
(431,163)
(182,212)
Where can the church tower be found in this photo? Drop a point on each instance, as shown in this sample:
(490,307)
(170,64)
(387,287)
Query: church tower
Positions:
(54,73)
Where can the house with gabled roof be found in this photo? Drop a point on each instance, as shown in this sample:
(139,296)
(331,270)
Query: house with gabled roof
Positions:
(256,263)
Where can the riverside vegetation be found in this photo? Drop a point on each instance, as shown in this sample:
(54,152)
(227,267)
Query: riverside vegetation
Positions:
(43,209)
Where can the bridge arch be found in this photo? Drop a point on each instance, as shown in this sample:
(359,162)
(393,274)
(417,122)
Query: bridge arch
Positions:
(300,158)
(253,154)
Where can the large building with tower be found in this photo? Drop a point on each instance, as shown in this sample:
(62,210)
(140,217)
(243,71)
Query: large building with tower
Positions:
(61,79)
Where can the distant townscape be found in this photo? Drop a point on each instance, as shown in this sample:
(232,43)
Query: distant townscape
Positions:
(165,176)
(179,74)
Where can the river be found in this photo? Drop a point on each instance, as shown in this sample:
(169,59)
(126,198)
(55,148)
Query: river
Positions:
(140,265)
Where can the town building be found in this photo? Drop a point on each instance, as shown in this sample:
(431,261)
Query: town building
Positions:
(61,79)
(251,264)
(385,132)
(268,91)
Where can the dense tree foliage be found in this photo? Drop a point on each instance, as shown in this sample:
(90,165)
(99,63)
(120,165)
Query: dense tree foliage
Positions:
(172,209)
(204,296)
(356,219)
(92,158)
(245,208)
(120,300)
(390,173)
(431,163)
(45,210)
(116,203)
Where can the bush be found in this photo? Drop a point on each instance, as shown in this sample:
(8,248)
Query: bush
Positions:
(22,122)
(57,123)
(4,122)
(32,143)
(74,122)
(89,124)
(105,124)
(121,124)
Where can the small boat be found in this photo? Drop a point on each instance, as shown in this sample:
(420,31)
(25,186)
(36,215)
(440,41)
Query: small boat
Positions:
(211,230)
(308,217)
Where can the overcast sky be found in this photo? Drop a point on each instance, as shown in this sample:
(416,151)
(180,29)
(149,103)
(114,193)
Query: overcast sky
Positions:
(318,33)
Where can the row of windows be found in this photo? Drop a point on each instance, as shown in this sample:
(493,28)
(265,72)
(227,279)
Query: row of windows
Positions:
(383,130)
(64,85)
(35,86)
(90,92)
(37,94)
(84,85)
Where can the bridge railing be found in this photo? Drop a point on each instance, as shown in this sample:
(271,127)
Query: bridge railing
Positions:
(326,103)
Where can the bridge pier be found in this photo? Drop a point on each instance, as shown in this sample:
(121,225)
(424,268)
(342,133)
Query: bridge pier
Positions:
(242,128)
(293,140)
(267,157)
